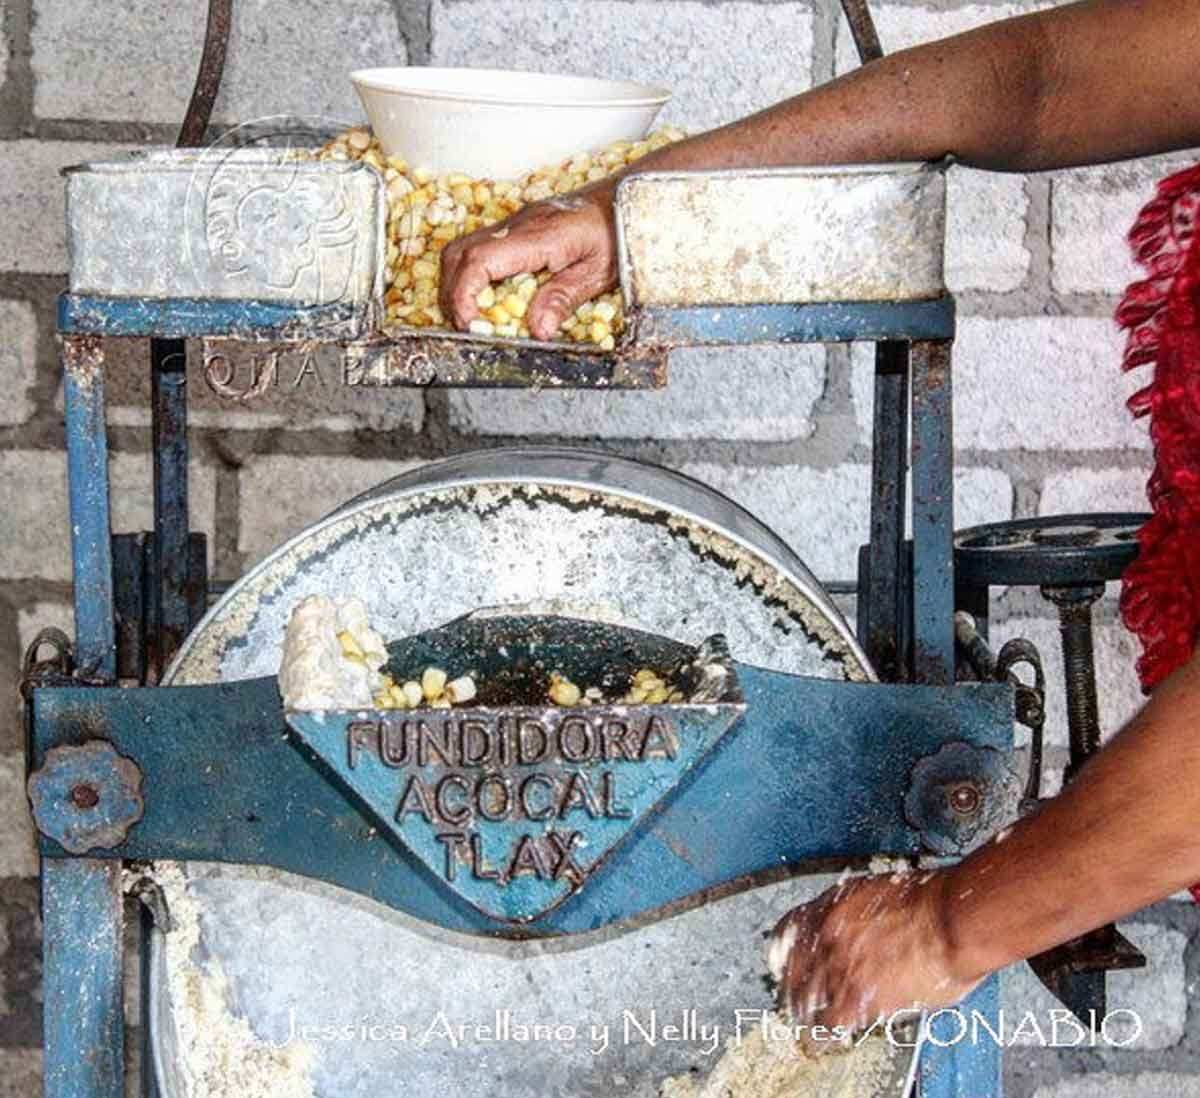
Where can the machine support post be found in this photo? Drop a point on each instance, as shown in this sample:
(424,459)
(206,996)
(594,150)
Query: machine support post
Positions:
(885,552)
(168,360)
(87,476)
(960,1059)
(933,513)
(83,1024)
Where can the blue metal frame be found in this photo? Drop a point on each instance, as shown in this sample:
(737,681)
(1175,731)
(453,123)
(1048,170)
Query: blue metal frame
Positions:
(817,770)
(81,895)
(188,317)
(821,322)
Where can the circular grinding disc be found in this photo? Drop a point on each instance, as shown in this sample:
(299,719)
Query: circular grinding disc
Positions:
(556,531)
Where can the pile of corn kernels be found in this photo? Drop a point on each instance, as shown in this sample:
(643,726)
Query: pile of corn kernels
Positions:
(647,688)
(426,212)
(434,689)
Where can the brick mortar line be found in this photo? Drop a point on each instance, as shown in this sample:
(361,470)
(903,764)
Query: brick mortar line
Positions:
(826,23)
(415,24)
(16,96)
(1038,219)
(213,445)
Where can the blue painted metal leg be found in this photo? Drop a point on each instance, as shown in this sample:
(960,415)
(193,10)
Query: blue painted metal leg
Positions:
(958,1064)
(169,402)
(87,467)
(933,514)
(81,898)
(879,605)
(82,989)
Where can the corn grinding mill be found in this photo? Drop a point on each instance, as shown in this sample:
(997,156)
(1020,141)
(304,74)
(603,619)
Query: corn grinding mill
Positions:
(508,862)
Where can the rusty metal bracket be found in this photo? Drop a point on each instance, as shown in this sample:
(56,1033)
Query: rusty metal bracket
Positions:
(1075,971)
(57,670)
(1030,698)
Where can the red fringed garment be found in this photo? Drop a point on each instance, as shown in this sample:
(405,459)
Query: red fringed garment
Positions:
(1160,596)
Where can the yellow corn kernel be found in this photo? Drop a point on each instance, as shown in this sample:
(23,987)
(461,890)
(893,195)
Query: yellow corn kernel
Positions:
(604,310)
(398,697)
(383,700)
(563,691)
(481,195)
(433,683)
(486,298)
(598,331)
(445,233)
(497,314)
(350,647)
(516,306)
(481,327)
(657,696)
(413,694)
(464,194)
(460,690)
(607,344)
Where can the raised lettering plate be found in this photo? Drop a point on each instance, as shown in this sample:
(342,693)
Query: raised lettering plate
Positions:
(514,806)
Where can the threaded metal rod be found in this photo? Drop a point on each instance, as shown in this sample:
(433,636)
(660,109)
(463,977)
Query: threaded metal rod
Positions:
(1079,668)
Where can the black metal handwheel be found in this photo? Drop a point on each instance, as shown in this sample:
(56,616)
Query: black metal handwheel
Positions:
(1057,551)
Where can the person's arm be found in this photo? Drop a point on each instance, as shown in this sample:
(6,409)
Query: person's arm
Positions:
(1084,83)
(1124,834)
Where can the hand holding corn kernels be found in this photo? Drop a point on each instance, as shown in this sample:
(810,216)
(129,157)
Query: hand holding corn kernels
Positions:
(571,237)
(533,256)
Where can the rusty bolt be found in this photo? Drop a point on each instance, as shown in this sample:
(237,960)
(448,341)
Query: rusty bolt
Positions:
(85,796)
(964,799)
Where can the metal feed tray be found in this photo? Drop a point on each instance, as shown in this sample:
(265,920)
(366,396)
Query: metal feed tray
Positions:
(260,245)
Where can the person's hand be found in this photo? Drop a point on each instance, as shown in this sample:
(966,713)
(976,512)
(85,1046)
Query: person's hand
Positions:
(573,236)
(869,947)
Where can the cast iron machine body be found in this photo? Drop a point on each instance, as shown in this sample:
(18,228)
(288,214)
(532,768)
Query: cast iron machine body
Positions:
(123,769)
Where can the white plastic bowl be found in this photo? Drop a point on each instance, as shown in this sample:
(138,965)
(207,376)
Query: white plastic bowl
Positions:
(496,124)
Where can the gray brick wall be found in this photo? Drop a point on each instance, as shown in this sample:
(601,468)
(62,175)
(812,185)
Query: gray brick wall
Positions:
(1037,263)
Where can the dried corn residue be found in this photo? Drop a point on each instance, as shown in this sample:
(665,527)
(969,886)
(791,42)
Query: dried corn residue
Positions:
(426,212)
(761,1068)
(219,1056)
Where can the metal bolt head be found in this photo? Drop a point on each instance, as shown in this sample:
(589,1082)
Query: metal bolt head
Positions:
(964,799)
(85,796)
